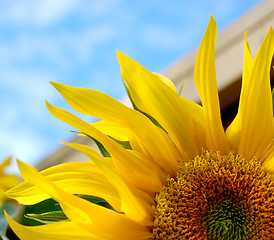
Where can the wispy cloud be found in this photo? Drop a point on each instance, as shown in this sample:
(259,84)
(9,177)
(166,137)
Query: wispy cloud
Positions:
(35,13)
(61,48)
(74,42)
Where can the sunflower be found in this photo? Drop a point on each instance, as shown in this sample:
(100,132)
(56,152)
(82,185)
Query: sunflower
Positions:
(179,175)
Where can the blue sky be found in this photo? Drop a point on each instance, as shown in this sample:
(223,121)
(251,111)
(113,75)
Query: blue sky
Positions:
(74,42)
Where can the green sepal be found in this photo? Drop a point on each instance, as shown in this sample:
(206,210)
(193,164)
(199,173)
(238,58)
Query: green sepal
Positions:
(97,200)
(48,217)
(46,206)
(103,151)
(181,88)
(124,144)
(153,120)
(59,216)
(50,211)
(100,146)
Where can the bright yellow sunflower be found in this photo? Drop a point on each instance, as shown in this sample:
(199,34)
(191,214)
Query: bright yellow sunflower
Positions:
(180,176)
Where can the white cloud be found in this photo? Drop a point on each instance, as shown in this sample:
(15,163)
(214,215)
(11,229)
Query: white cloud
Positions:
(45,31)
(59,49)
(35,12)
(47,12)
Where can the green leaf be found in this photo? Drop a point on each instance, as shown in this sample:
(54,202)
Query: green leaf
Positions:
(48,217)
(97,200)
(59,216)
(45,206)
(49,211)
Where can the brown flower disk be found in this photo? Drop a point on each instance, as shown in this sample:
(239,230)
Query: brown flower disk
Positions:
(216,197)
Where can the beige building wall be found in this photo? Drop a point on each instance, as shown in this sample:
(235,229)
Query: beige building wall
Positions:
(229,61)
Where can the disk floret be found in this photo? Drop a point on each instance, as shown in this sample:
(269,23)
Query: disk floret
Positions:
(216,197)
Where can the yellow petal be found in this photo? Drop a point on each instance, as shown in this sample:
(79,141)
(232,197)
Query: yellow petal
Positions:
(5,163)
(118,153)
(6,181)
(75,178)
(234,131)
(255,109)
(154,96)
(95,103)
(205,81)
(134,208)
(89,216)
(61,231)
(113,130)
(268,160)
(248,63)
(166,81)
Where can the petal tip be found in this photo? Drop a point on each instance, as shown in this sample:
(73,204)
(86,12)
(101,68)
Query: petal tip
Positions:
(212,20)
(121,57)
(57,86)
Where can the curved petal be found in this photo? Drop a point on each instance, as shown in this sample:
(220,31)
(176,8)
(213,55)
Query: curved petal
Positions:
(234,131)
(72,181)
(154,96)
(6,181)
(89,216)
(206,83)
(256,110)
(118,153)
(166,81)
(268,163)
(139,171)
(130,203)
(61,231)
(155,142)
(5,163)
(113,130)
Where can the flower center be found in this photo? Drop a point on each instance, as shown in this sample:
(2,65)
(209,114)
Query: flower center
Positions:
(216,197)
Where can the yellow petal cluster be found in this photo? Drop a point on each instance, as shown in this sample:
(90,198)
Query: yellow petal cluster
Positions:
(131,178)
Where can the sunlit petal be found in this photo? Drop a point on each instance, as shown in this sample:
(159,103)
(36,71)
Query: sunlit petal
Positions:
(234,131)
(130,203)
(206,83)
(95,103)
(75,178)
(113,130)
(61,231)
(154,96)
(255,116)
(83,213)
